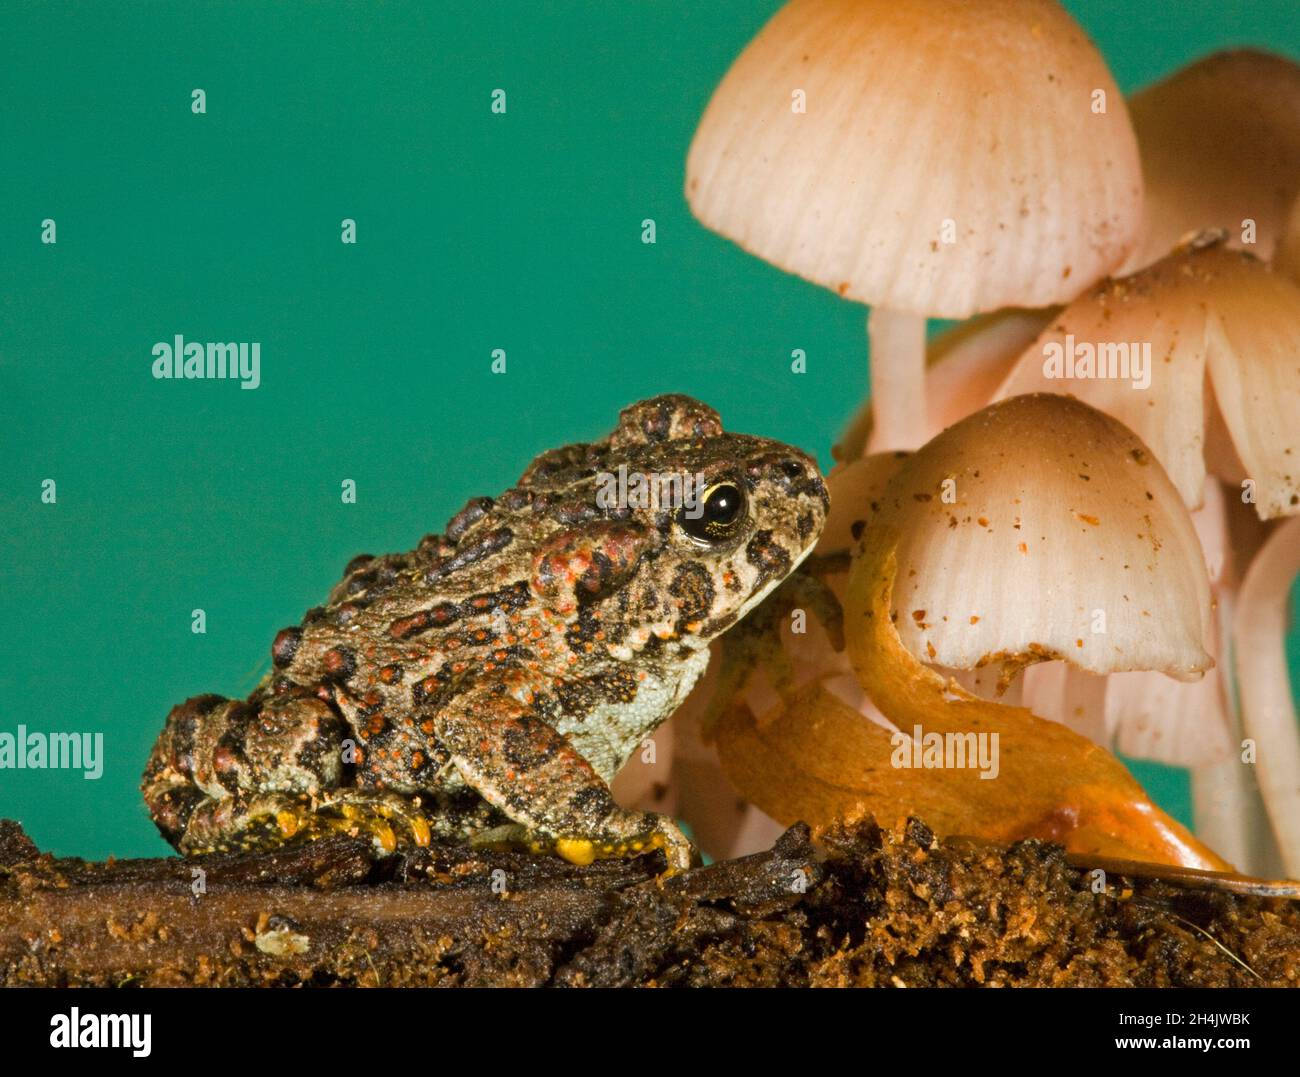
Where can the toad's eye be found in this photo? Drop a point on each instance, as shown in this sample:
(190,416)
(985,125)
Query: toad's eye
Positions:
(715,516)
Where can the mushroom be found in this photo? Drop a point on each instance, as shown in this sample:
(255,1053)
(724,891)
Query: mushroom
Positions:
(1036,529)
(1144,348)
(1141,347)
(1268,713)
(1201,310)
(1040,528)
(1220,145)
(1147,715)
(933,158)
(1009,476)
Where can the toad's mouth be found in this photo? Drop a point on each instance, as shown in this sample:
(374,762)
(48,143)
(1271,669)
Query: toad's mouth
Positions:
(772,584)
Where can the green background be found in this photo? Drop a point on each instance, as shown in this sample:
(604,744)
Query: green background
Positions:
(475,231)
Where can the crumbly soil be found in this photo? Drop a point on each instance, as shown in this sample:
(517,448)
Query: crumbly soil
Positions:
(862,907)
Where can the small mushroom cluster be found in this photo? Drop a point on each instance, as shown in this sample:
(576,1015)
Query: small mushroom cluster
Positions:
(1090,549)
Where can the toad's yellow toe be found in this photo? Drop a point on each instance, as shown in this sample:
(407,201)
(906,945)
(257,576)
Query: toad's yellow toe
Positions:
(576,850)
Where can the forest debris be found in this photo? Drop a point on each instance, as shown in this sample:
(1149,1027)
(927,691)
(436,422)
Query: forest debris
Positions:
(861,906)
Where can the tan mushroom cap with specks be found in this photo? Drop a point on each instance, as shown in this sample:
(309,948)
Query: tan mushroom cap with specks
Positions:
(1040,528)
(1202,309)
(951,157)
(1220,144)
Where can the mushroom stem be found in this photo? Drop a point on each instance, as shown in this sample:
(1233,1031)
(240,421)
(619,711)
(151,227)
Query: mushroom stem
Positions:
(1227,810)
(897,342)
(1267,711)
(1230,817)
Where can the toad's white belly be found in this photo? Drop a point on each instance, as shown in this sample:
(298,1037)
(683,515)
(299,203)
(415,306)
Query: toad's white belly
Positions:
(610,733)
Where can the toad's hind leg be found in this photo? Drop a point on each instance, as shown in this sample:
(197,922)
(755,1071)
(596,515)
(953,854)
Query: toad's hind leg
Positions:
(183,772)
(229,775)
(533,775)
(268,820)
(218,759)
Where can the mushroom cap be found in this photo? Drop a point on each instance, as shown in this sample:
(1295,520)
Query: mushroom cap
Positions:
(1202,307)
(1040,528)
(919,113)
(1142,713)
(1220,144)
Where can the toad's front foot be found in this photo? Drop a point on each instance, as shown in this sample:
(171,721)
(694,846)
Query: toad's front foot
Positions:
(646,833)
(643,832)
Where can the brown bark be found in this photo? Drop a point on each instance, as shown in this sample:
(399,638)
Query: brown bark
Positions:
(863,907)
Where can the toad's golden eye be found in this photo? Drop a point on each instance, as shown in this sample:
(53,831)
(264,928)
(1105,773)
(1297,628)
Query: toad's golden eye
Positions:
(715,516)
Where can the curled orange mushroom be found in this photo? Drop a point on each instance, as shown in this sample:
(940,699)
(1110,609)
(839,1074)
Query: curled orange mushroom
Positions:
(1032,548)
